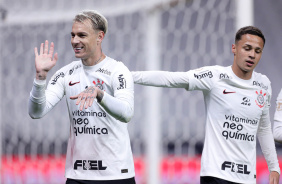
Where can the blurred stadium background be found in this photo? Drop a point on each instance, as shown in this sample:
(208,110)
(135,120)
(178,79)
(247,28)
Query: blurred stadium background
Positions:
(167,130)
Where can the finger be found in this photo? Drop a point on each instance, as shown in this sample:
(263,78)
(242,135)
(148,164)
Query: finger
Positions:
(91,101)
(82,103)
(92,98)
(55,59)
(78,99)
(41,48)
(46,47)
(36,52)
(87,102)
(51,51)
(74,97)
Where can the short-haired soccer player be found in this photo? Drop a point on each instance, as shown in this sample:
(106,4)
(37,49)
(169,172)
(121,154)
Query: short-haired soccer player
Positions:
(229,154)
(99,150)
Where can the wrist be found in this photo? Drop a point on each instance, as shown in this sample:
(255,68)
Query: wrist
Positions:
(100,95)
(41,76)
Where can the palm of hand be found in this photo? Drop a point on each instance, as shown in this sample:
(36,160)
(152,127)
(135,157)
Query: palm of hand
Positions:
(44,61)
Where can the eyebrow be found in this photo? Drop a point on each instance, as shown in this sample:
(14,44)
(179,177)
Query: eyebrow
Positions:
(252,46)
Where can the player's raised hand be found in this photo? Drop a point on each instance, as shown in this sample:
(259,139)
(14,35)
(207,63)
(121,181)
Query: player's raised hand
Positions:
(44,60)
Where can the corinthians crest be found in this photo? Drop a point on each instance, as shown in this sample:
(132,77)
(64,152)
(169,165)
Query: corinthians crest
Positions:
(260,101)
(100,84)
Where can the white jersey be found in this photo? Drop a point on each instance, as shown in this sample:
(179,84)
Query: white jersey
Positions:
(99,145)
(277,127)
(237,112)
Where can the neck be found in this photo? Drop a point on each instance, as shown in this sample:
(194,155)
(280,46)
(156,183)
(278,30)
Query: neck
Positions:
(246,75)
(95,61)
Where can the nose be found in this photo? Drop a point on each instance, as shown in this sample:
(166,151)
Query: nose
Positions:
(252,54)
(75,39)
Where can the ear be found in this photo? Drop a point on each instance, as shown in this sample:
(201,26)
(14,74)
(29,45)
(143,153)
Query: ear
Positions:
(233,49)
(100,37)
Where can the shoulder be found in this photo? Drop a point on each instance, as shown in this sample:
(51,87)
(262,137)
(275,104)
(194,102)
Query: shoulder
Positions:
(209,71)
(262,81)
(115,65)
(65,71)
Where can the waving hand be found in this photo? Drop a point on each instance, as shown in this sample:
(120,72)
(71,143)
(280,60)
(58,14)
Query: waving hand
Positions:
(44,61)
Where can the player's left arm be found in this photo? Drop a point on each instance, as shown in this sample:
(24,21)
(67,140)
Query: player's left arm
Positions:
(266,141)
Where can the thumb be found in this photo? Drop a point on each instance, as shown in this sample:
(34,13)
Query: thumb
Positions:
(74,97)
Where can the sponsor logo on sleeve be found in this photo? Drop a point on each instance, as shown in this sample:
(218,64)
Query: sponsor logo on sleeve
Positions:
(260,84)
(55,79)
(203,75)
(122,82)
(74,68)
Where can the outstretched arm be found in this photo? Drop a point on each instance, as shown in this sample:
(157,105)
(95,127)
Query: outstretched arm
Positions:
(161,79)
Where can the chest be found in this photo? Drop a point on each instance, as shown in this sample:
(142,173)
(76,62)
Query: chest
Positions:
(75,84)
(242,101)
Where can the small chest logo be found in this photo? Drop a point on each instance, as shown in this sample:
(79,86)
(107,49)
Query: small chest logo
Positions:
(260,101)
(246,101)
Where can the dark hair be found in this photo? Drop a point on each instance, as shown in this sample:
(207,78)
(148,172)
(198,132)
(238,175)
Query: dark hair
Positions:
(249,30)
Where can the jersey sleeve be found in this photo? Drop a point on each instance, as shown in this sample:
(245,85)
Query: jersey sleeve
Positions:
(42,100)
(202,78)
(161,79)
(277,125)
(121,104)
(266,140)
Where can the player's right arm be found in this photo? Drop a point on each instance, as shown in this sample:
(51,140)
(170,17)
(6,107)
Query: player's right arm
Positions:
(41,101)
(277,126)
(161,79)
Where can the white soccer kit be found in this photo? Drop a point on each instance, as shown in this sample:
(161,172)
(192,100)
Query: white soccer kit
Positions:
(277,126)
(99,145)
(237,113)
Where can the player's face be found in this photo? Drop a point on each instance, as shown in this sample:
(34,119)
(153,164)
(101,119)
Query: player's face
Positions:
(84,40)
(247,53)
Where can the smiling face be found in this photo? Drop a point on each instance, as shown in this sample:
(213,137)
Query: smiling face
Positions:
(86,42)
(247,53)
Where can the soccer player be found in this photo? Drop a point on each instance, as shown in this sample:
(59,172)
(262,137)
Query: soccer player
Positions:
(277,126)
(237,101)
(100,99)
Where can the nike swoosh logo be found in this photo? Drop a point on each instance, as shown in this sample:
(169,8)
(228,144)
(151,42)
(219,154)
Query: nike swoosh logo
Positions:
(225,92)
(71,84)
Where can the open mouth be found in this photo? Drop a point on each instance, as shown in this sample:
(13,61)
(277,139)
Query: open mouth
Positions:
(250,63)
(77,49)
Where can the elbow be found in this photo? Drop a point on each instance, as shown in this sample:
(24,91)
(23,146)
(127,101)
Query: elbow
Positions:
(127,116)
(33,116)
(277,137)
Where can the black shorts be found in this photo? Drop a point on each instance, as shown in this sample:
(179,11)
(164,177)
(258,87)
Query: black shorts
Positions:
(123,181)
(214,180)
